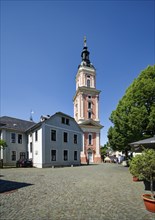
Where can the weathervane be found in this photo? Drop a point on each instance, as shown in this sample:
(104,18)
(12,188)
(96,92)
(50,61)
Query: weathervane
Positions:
(31,118)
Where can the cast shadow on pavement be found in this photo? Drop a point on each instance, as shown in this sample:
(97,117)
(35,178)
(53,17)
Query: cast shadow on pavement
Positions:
(7,186)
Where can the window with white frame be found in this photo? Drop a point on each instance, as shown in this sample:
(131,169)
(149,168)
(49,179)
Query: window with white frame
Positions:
(65,137)
(75,138)
(13,138)
(75,155)
(13,156)
(19,138)
(22,155)
(53,155)
(65,155)
(53,135)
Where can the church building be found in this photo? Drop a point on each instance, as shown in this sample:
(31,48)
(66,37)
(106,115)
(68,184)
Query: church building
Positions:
(86,108)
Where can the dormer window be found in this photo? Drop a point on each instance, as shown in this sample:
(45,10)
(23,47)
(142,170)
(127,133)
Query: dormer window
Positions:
(65,120)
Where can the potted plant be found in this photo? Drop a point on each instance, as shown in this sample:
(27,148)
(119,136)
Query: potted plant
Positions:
(146,170)
(135,168)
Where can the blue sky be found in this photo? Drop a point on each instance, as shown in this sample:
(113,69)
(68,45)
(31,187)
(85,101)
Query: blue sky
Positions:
(41,45)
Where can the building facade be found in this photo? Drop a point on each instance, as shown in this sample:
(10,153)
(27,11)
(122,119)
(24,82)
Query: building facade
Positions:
(13,131)
(86,108)
(55,141)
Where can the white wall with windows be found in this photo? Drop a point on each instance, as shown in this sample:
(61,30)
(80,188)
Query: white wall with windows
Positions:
(16,146)
(55,142)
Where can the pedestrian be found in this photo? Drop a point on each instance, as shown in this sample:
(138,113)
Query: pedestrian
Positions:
(119,158)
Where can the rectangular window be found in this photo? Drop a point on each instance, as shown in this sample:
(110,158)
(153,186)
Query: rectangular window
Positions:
(65,137)
(89,139)
(89,105)
(75,155)
(65,155)
(22,155)
(63,120)
(13,155)
(89,115)
(67,121)
(36,135)
(30,147)
(53,155)
(75,138)
(19,138)
(53,135)
(13,138)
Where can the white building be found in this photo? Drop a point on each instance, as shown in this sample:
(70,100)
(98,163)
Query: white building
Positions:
(54,141)
(13,131)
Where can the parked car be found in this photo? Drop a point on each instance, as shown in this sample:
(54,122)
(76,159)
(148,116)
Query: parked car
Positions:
(24,163)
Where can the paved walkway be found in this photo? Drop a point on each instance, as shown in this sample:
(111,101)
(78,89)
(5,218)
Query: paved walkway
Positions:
(94,192)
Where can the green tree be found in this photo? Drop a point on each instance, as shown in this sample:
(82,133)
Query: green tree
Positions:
(103,151)
(3,144)
(134,117)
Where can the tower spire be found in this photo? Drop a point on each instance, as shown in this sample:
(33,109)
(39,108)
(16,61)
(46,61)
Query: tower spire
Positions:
(85,53)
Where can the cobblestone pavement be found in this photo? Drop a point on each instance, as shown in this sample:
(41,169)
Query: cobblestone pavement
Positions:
(94,192)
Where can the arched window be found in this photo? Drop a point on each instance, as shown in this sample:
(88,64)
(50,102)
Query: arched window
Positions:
(88,82)
(90,139)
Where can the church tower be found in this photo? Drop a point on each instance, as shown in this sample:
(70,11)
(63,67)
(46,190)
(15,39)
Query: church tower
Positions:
(86,108)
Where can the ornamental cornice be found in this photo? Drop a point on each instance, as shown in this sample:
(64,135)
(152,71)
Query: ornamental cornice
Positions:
(85,90)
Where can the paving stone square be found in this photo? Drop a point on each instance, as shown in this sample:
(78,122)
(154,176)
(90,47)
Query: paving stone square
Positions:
(94,192)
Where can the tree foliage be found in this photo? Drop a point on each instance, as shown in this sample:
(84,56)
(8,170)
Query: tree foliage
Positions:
(2,144)
(134,117)
(143,167)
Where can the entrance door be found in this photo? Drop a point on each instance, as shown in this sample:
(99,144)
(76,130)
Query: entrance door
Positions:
(90,157)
